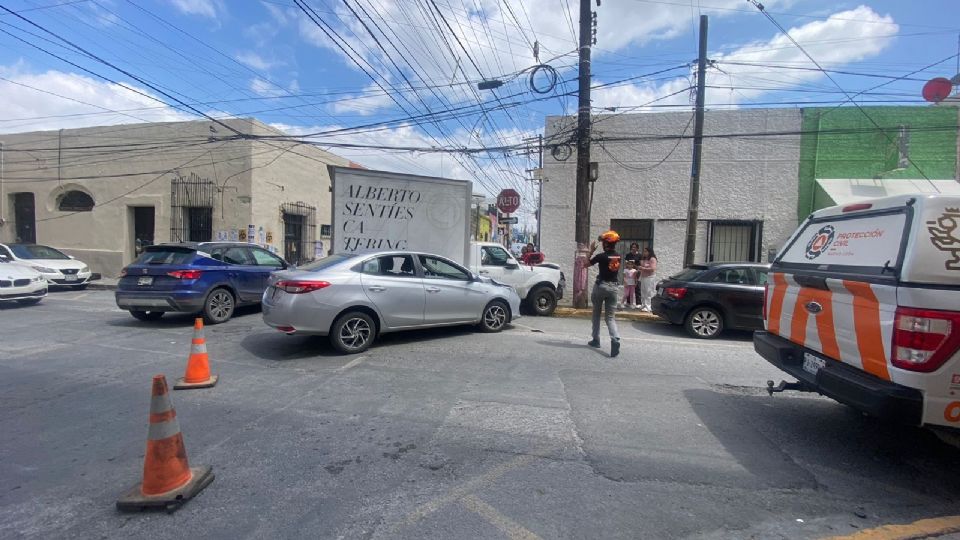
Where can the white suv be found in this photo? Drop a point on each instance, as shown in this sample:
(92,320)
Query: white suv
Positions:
(539,286)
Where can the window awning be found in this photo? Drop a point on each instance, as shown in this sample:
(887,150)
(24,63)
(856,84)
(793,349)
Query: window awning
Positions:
(849,190)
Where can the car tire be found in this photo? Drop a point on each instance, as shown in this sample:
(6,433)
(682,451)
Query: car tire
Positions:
(704,323)
(29,301)
(542,301)
(353,332)
(495,316)
(219,306)
(146,315)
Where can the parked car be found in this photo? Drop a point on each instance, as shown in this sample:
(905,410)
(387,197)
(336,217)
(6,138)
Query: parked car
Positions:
(58,268)
(19,283)
(210,278)
(708,298)
(354,298)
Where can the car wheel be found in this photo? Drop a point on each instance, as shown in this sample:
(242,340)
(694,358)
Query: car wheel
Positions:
(29,301)
(353,332)
(495,316)
(704,323)
(146,315)
(543,301)
(218,306)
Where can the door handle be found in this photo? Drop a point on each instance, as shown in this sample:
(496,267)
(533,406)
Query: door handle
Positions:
(376,288)
(433,289)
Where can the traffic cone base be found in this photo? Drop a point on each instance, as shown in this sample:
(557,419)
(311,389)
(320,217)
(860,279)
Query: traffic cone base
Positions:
(135,501)
(182,383)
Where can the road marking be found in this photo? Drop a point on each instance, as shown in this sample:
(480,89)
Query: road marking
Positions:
(924,528)
(507,526)
(466,488)
(352,364)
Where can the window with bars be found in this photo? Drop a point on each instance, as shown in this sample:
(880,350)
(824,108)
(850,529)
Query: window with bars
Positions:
(734,241)
(191,209)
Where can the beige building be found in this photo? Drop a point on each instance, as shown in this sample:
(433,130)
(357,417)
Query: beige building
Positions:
(101,194)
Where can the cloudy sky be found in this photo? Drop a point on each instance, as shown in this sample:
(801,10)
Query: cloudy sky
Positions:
(389,73)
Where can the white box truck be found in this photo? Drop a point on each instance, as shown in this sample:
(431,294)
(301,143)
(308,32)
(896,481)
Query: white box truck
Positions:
(380,210)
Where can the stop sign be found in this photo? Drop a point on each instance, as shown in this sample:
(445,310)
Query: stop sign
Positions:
(508,201)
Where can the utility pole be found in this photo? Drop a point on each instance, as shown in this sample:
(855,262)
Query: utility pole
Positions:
(694,205)
(583,161)
(540,191)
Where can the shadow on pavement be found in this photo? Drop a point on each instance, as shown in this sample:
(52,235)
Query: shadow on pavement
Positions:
(790,441)
(180,320)
(280,347)
(664,329)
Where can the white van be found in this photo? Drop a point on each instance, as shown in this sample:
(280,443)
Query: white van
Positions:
(863,306)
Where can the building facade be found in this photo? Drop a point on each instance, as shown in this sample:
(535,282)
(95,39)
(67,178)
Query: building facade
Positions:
(748,193)
(102,194)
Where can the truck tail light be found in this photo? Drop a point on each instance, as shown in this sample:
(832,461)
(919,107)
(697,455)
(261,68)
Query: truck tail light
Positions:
(676,292)
(923,339)
(301,286)
(185,274)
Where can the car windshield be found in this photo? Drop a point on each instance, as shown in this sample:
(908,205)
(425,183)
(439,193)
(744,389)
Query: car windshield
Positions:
(34,251)
(326,262)
(688,274)
(166,256)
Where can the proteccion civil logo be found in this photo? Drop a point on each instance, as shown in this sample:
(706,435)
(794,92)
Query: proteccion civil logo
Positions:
(820,242)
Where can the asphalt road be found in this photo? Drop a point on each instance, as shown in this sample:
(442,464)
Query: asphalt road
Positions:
(441,434)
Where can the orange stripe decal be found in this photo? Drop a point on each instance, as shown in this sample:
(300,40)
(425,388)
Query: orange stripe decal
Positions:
(798,324)
(779,290)
(866,323)
(824,320)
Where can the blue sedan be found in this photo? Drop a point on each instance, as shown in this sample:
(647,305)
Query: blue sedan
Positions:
(208,278)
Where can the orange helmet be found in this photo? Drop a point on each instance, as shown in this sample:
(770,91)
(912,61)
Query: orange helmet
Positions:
(610,237)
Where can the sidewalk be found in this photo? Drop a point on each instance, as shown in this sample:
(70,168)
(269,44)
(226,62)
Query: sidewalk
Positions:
(622,314)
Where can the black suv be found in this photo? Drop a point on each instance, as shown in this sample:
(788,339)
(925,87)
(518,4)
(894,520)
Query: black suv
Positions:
(706,298)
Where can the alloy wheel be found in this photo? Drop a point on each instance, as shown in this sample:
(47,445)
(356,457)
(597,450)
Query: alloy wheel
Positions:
(495,317)
(705,323)
(220,305)
(355,333)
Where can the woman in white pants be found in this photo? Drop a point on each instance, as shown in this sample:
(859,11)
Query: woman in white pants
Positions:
(648,280)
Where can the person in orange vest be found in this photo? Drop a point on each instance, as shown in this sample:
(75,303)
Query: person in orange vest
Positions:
(606,289)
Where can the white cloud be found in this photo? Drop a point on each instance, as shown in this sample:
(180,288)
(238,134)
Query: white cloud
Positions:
(842,38)
(371,101)
(203,8)
(265,88)
(23,104)
(256,61)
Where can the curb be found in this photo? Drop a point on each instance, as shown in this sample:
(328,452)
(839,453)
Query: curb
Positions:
(639,316)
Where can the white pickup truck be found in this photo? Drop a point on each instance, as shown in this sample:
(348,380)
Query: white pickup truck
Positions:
(539,286)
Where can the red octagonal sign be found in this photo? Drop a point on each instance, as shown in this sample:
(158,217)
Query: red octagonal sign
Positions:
(508,201)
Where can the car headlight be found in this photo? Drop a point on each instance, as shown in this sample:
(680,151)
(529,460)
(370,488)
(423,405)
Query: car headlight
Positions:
(44,270)
(85,269)
(38,278)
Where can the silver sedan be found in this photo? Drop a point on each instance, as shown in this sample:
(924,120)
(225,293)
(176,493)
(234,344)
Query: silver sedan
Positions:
(354,298)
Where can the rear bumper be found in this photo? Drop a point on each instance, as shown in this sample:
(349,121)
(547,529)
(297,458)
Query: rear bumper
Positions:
(844,383)
(188,302)
(670,310)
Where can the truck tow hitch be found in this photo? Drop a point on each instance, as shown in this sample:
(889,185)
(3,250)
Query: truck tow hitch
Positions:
(784,385)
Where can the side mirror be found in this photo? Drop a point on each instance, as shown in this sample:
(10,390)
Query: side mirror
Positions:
(71,257)
(511,265)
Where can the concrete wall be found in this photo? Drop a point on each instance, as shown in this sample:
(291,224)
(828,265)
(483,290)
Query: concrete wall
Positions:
(126,166)
(646,175)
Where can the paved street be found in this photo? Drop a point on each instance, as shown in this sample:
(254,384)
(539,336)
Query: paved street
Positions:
(441,434)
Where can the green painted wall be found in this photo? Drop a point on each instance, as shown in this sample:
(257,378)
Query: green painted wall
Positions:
(844,143)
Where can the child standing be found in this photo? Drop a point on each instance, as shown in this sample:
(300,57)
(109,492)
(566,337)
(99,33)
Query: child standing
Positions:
(630,285)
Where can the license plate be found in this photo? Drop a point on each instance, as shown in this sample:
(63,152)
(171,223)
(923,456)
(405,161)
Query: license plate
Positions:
(70,278)
(146,280)
(812,364)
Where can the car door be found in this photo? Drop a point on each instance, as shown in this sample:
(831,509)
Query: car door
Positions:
(755,313)
(451,294)
(498,264)
(392,284)
(243,272)
(735,290)
(266,264)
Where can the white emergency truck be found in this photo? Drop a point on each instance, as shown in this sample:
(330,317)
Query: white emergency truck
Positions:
(863,305)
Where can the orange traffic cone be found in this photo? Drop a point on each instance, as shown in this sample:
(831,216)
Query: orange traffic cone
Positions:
(198,365)
(168,479)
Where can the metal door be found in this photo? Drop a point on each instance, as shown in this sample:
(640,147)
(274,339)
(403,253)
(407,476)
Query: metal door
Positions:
(143,227)
(24,215)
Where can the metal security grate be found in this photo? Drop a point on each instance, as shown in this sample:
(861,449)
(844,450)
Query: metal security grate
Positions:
(735,241)
(191,209)
(299,232)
